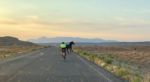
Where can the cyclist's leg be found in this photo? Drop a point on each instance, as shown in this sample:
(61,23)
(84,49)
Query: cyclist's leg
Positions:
(63,53)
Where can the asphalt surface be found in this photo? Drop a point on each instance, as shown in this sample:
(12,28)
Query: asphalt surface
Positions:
(47,65)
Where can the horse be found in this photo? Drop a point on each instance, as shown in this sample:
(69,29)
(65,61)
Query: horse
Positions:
(69,47)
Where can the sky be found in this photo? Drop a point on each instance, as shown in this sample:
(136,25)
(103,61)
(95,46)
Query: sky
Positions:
(122,20)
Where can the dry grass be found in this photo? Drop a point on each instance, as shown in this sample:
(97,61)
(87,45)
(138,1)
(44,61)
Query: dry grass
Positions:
(138,56)
(107,63)
(13,50)
(147,77)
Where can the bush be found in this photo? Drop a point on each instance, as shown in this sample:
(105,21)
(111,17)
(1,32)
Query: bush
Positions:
(123,72)
(119,66)
(110,68)
(91,58)
(136,79)
(137,74)
(108,60)
(101,57)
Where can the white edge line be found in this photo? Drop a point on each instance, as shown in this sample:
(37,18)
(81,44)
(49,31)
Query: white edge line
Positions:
(94,69)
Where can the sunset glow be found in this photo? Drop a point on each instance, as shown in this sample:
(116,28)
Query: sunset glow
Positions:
(122,20)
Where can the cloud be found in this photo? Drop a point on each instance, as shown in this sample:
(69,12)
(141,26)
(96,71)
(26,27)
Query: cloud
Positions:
(33,17)
(8,21)
(140,11)
(144,11)
(131,21)
(33,26)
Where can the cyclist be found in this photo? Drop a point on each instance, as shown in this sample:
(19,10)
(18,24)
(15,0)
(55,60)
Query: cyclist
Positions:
(63,49)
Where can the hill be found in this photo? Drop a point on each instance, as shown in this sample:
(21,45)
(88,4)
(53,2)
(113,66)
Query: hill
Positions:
(68,39)
(12,41)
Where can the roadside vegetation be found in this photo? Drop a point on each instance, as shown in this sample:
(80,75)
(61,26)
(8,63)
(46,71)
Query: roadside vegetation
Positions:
(107,62)
(6,51)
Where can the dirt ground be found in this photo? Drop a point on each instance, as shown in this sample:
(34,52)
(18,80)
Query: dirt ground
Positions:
(137,57)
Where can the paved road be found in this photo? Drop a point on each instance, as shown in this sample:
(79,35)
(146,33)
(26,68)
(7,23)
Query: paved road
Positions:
(47,65)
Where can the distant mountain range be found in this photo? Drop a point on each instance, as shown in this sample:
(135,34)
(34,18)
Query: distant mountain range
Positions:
(68,39)
(115,44)
(12,41)
(101,44)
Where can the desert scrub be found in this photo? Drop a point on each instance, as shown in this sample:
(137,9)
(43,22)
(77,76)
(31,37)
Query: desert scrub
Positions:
(14,50)
(9,54)
(106,59)
(137,79)
(107,63)
(123,72)
(147,77)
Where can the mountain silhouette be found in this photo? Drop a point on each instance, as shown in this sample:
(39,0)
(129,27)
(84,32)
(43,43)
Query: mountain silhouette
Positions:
(12,41)
(67,39)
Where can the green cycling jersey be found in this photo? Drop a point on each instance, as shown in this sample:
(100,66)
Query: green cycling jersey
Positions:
(63,45)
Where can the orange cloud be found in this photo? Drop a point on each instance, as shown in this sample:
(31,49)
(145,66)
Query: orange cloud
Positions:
(7,21)
(34,27)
